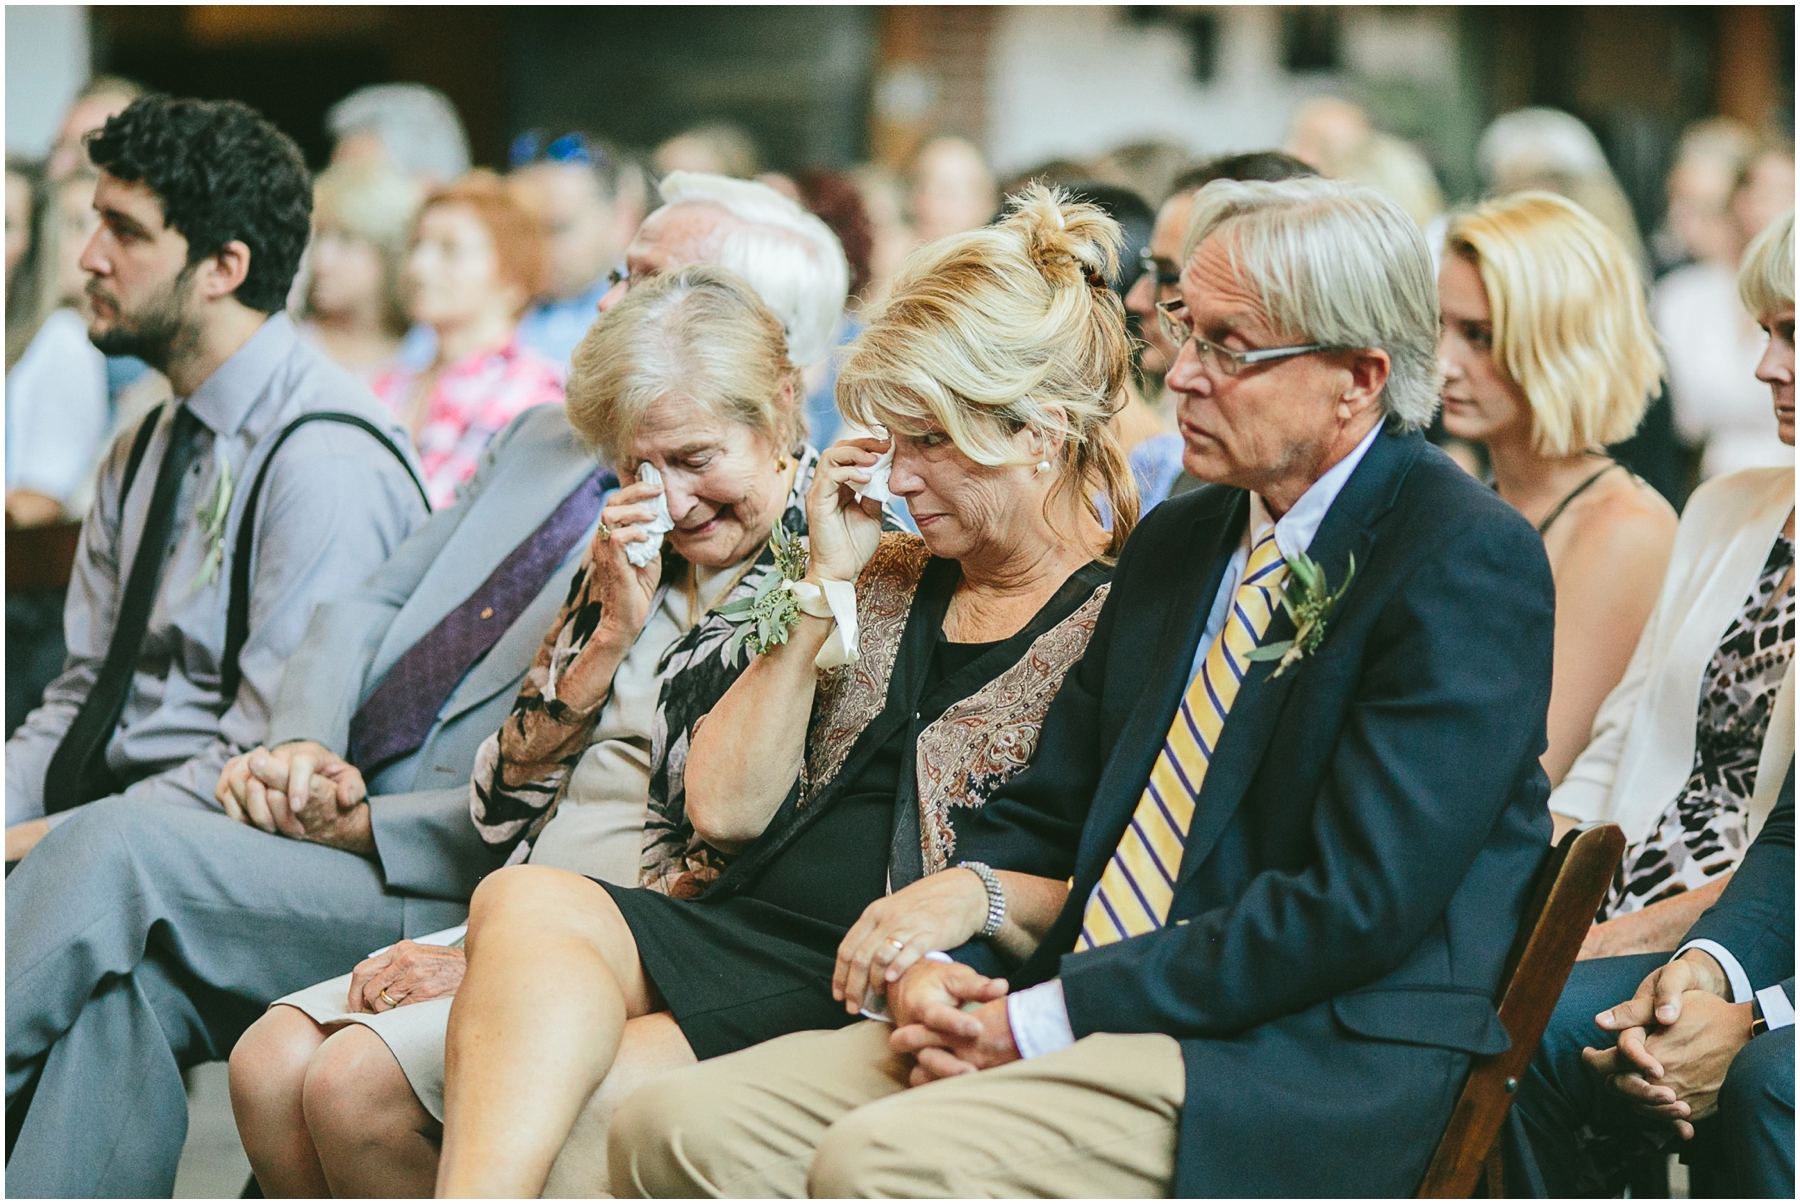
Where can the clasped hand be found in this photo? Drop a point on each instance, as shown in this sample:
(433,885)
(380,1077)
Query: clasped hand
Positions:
(623,590)
(1677,1037)
(406,973)
(951,1020)
(301,790)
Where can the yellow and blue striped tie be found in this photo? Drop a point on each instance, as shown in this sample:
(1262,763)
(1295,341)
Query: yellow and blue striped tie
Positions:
(1139,883)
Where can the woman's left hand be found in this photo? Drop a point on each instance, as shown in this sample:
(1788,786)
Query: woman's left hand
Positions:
(939,911)
(407,973)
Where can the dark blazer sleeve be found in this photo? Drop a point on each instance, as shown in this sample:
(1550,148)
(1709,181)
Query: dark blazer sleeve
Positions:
(1441,731)
(1754,918)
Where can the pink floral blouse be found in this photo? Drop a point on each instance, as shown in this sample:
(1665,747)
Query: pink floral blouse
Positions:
(472,401)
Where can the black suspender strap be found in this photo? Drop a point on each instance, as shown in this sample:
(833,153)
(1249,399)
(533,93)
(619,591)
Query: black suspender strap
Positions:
(237,613)
(140,443)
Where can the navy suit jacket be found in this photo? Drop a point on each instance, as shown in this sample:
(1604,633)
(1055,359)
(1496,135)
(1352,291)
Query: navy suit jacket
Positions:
(1754,918)
(1360,848)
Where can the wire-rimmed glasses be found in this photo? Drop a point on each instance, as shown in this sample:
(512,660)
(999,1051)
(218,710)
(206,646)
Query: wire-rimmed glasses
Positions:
(1221,361)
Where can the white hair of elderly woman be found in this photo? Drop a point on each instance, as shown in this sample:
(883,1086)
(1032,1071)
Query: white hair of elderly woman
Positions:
(1338,264)
(791,258)
(417,125)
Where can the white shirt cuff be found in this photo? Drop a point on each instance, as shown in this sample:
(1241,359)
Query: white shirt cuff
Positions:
(1040,1019)
(1734,973)
(1777,1008)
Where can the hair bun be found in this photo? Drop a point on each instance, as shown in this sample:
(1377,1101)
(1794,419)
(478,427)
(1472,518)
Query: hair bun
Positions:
(1071,242)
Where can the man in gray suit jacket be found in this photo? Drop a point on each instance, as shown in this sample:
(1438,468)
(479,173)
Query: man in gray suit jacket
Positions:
(145,939)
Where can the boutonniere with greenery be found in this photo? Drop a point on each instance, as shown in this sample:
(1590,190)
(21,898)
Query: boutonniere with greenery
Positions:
(211,518)
(769,616)
(1309,600)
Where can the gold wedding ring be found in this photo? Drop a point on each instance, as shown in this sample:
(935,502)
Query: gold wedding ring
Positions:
(387,999)
(899,946)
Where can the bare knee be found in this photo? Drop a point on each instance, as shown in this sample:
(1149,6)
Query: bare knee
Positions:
(355,1092)
(269,1062)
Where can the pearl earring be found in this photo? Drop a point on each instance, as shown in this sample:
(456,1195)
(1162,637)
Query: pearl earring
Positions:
(1043,466)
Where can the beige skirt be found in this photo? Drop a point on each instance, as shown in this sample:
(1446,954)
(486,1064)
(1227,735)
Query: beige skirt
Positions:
(414,1032)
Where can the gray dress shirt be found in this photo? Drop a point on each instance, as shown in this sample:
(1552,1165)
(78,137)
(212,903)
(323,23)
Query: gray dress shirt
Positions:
(335,505)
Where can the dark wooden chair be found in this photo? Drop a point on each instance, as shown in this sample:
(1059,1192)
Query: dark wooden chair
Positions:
(1565,896)
(40,557)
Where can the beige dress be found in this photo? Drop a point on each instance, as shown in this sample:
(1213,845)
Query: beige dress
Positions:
(597,831)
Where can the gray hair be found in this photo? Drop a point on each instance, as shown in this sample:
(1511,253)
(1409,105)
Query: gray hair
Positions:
(791,258)
(1338,264)
(417,125)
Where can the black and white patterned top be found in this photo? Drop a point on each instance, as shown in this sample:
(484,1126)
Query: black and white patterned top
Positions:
(1704,832)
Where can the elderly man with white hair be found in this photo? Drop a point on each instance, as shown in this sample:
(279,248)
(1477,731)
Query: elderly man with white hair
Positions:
(198,921)
(408,128)
(1303,742)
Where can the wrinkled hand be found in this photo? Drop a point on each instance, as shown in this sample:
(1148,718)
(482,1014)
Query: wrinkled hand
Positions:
(945,1045)
(623,591)
(939,911)
(934,1008)
(841,531)
(301,790)
(409,973)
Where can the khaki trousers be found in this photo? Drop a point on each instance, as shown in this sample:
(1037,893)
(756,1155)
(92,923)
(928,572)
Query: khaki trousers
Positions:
(828,1114)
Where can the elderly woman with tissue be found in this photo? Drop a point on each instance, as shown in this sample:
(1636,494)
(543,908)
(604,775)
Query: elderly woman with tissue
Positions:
(685,384)
(840,774)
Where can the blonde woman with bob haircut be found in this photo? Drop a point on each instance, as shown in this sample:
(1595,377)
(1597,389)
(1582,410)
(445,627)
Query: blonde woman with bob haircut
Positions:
(1548,356)
(846,769)
(1689,752)
(341,1091)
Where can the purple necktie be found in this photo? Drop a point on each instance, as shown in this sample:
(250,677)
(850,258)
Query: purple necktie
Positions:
(397,715)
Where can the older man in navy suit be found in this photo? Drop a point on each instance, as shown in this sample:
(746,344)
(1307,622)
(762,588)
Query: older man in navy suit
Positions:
(1297,765)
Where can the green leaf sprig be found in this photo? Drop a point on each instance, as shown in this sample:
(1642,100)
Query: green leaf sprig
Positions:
(1309,600)
(768,616)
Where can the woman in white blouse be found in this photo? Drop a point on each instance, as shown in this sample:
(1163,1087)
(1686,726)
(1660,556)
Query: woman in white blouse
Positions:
(1690,749)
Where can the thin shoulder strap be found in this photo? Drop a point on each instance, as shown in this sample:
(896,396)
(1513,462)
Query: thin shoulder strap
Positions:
(237,611)
(140,444)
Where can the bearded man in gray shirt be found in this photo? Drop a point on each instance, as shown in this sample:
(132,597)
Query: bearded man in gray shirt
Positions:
(204,212)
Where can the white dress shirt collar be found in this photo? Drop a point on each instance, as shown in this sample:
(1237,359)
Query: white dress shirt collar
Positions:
(1295,530)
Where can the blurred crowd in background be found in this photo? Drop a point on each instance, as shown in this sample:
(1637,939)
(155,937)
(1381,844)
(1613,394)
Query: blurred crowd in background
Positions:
(459,293)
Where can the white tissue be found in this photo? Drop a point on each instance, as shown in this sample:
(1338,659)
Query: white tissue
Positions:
(641,554)
(877,488)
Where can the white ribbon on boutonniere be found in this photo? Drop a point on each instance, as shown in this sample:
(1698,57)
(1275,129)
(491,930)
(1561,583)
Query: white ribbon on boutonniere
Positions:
(769,616)
(1309,600)
(211,518)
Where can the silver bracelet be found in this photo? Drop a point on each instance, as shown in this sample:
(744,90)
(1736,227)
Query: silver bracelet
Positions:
(990,881)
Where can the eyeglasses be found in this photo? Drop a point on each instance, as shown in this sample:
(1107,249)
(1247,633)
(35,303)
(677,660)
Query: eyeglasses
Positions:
(575,147)
(1217,360)
(1166,275)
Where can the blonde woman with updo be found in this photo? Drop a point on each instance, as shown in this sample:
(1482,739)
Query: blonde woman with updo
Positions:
(846,799)
(339,1088)
(1549,356)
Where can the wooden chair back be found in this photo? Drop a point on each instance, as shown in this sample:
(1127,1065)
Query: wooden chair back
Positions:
(1564,897)
(41,557)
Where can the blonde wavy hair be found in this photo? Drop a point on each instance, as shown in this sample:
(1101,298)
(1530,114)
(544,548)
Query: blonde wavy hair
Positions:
(699,333)
(1006,328)
(1766,275)
(1571,327)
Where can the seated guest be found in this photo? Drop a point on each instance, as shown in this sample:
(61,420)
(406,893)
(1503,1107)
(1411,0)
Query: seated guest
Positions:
(588,200)
(1709,1032)
(1548,357)
(1300,873)
(203,215)
(56,407)
(995,362)
(355,309)
(407,675)
(688,373)
(477,259)
(408,128)
(1689,746)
